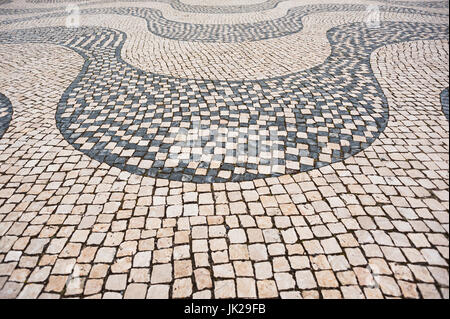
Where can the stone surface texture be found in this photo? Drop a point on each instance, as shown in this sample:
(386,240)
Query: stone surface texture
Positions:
(224,149)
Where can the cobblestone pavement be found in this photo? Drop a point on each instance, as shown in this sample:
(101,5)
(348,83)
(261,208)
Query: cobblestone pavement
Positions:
(224,149)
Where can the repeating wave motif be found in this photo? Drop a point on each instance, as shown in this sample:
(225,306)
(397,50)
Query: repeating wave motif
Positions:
(177,5)
(444,102)
(136,121)
(5,114)
(225,9)
(289,24)
(424,4)
(56,1)
(180,5)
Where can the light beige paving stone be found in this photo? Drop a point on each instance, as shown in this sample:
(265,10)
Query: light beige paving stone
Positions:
(55,283)
(285,281)
(326,279)
(258,252)
(305,279)
(93,286)
(182,288)
(267,289)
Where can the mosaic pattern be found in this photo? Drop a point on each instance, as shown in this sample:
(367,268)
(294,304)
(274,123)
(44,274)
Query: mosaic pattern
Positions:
(5,114)
(337,121)
(289,24)
(425,4)
(444,101)
(208,9)
(372,225)
(55,1)
(175,4)
(197,8)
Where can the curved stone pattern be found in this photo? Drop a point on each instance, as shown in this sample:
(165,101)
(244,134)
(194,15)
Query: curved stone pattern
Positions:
(56,1)
(291,23)
(285,225)
(146,123)
(5,114)
(177,5)
(194,6)
(424,4)
(444,101)
(374,225)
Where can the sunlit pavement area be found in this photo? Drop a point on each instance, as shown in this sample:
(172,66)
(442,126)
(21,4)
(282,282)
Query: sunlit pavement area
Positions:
(224,149)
